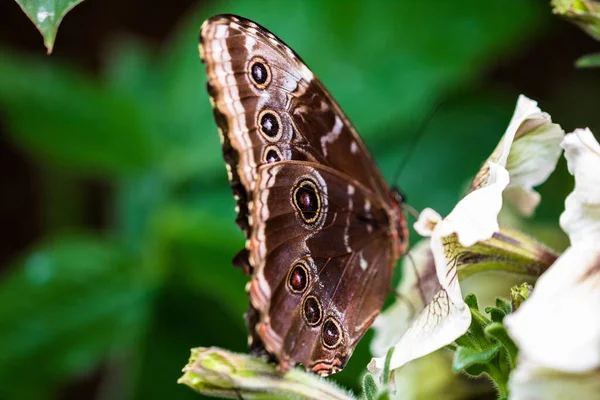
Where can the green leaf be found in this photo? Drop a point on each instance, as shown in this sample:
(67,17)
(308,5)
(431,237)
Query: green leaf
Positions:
(47,15)
(464,341)
(466,357)
(175,104)
(504,305)
(588,61)
(64,116)
(496,314)
(197,246)
(498,332)
(370,388)
(65,308)
(476,370)
(182,317)
(471,301)
(386,367)
(583,13)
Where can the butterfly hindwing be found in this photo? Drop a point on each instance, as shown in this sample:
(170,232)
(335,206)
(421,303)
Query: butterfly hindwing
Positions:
(323,263)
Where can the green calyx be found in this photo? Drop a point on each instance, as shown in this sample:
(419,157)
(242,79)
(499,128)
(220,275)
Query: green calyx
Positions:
(217,372)
(507,251)
(486,348)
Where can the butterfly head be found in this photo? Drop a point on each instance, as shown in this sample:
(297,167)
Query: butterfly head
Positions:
(397,196)
(398,199)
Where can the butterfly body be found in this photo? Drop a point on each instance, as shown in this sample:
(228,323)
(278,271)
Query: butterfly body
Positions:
(323,229)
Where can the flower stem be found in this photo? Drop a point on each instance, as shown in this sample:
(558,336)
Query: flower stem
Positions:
(500,379)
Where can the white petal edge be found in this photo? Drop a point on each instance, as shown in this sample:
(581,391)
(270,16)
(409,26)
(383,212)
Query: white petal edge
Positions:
(445,318)
(475,217)
(427,221)
(418,271)
(529,382)
(558,326)
(533,157)
(581,218)
(529,150)
(526,108)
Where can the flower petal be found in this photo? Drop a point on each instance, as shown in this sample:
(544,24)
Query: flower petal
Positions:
(529,382)
(475,217)
(529,150)
(444,319)
(437,326)
(558,326)
(581,218)
(533,157)
(419,285)
(428,219)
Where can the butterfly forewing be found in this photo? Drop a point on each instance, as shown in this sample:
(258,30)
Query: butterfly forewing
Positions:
(323,231)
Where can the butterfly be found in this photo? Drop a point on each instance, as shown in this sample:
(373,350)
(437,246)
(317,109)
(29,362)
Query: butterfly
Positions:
(323,229)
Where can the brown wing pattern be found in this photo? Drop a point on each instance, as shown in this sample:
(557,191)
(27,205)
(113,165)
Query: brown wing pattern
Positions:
(346,255)
(323,231)
(311,125)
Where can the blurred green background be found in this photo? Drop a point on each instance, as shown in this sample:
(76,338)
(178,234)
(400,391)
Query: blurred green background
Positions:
(117,219)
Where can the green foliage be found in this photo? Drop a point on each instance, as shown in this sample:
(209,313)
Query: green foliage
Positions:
(370,388)
(161,281)
(486,348)
(68,305)
(588,61)
(518,294)
(72,120)
(47,15)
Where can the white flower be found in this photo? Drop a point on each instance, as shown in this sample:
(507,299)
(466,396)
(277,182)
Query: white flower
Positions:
(524,158)
(530,382)
(415,290)
(558,327)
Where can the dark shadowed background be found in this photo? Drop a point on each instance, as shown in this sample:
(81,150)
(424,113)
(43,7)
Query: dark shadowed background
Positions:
(117,220)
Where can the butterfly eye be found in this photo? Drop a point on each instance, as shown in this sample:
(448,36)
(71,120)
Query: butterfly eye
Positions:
(298,278)
(332,336)
(269,124)
(260,73)
(272,154)
(312,310)
(307,201)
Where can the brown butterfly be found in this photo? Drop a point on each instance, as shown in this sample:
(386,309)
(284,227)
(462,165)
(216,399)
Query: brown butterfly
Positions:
(323,230)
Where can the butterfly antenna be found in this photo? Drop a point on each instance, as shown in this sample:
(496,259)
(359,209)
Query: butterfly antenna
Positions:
(411,210)
(401,297)
(413,144)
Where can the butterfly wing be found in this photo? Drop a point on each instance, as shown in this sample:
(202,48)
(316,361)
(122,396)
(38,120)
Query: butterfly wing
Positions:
(279,127)
(270,107)
(323,259)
